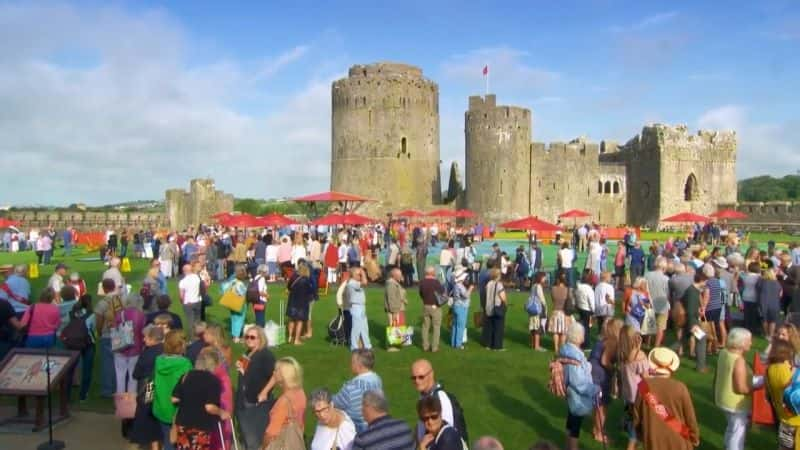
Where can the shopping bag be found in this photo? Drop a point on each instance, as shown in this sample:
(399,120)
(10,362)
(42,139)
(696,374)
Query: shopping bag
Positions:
(276,332)
(125,266)
(33,270)
(649,324)
(125,405)
(232,301)
(122,335)
(399,336)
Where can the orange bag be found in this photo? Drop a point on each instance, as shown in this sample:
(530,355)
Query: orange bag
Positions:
(763,413)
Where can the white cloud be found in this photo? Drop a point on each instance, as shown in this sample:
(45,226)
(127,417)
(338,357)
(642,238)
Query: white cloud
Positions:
(132,117)
(764,148)
(507,69)
(646,22)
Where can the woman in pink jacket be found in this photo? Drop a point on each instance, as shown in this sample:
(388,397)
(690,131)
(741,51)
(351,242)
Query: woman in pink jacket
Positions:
(43,320)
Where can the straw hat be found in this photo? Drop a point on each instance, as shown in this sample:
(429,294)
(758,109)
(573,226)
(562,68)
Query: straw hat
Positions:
(721,262)
(664,360)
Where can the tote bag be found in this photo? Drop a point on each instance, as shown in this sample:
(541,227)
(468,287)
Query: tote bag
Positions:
(122,334)
(291,437)
(232,301)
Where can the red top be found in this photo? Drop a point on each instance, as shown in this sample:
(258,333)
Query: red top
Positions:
(46,319)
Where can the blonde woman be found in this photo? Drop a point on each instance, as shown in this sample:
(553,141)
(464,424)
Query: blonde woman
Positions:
(214,337)
(290,407)
(633,365)
(496,305)
(238,283)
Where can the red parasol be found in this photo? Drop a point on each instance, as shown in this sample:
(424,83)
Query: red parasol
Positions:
(343,219)
(729,214)
(442,213)
(5,223)
(530,223)
(240,220)
(331,196)
(574,213)
(409,213)
(274,220)
(465,213)
(686,217)
(220,215)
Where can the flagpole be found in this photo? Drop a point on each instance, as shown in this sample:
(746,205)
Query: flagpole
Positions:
(487,79)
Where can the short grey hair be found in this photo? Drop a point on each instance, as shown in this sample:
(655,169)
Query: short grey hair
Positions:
(679,268)
(133,301)
(262,268)
(321,395)
(487,443)
(153,332)
(576,333)
(430,270)
(376,400)
(737,337)
(365,357)
(661,263)
(21,269)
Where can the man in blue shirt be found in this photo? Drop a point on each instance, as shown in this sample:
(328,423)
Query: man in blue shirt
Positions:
(350,397)
(67,238)
(16,289)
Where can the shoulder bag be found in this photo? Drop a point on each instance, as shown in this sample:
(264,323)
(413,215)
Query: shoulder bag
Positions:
(291,437)
(122,334)
(499,310)
(672,422)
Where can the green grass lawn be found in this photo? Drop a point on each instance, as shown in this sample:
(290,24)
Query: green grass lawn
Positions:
(503,394)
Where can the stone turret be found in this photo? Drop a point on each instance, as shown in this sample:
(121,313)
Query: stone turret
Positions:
(385,136)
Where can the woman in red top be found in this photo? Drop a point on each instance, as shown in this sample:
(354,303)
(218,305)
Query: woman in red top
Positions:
(44,319)
(331,259)
(76,282)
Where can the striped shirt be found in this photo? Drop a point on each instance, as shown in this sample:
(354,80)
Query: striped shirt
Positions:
(385,433)
(715,294)
(349,398)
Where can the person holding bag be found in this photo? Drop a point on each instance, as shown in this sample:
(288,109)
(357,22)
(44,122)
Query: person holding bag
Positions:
(496,305)
(197,397)
(287,417)
(236,287)
(254,390)
(170,367)
(146,430)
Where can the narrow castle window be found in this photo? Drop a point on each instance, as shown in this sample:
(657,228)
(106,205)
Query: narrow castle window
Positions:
(607,187)
(690,190)
(599,187)
(616,187)
(403,145)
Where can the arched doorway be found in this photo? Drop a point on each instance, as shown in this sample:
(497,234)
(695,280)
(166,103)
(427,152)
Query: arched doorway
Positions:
(691,191)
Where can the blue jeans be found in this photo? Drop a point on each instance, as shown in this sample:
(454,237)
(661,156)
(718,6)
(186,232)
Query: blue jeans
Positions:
(67,248)
(360,327)
(260,320)
(47,341)
(459,325)
(108,374)
(165,428)
(47,255)
(87,364)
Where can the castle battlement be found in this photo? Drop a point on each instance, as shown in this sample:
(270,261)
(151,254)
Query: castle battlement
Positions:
(385,69)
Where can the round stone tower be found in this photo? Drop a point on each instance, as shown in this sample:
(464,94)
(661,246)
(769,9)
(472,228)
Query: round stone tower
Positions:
(385,143)
(498,140)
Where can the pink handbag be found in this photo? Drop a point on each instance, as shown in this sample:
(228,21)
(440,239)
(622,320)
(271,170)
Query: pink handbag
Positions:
(125,405)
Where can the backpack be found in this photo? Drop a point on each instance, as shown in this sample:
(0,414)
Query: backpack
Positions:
(75,335)
(253,294)
(791,395)
(460,422)
(557,384)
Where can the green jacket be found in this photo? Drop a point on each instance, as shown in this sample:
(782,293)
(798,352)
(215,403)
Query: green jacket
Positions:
(168,372)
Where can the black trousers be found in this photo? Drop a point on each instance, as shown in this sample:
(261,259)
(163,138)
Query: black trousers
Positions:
(496,332)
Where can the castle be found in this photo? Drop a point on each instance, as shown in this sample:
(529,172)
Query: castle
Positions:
(385,145)
(197,205)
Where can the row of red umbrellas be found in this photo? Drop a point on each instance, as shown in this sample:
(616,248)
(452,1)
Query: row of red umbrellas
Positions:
(686,217)
(5,223)
(460,213)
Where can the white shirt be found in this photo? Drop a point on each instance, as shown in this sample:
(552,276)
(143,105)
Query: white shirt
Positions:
(272,253)
(190,286)
(566,257)
(298,252)
(602,292)
(584,297)
(326,438)
(446,257)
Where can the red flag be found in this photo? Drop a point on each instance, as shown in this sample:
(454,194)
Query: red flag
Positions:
(485,70)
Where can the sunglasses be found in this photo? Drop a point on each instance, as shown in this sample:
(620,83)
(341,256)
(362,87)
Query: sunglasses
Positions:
(322,410)
(419,377)
(251,337)
(429,418)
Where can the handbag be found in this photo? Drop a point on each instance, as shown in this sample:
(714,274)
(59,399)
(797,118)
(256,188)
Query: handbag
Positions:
(232,301)
(678,314)
(124,405)
(291,436)
(122,334)
(649,325)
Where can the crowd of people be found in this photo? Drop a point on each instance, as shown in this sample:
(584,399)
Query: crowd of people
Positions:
(618,308)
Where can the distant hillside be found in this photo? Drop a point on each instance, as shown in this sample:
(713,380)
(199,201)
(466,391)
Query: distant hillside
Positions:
(767,188)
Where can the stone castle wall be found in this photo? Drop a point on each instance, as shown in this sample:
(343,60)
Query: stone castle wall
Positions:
(195,206)
(87,221)
(767,216)
(385,136)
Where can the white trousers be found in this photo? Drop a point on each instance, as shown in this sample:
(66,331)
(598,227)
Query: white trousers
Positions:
(736,430)
(123,368)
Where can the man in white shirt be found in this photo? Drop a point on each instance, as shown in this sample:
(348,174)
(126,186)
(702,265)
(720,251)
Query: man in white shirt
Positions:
(582,232)
(113,273)
(604,299)
(189,289)
(658,287)
(566,257)
(56,281)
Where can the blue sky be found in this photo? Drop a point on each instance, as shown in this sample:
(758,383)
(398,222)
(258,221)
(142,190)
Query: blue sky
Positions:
(137,97)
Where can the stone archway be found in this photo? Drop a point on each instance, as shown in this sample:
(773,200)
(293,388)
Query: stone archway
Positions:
(691,191)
